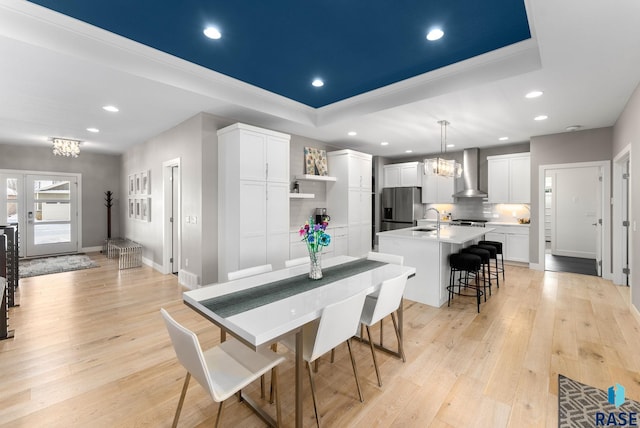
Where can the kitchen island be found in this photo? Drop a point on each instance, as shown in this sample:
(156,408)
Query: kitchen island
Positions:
(428,249)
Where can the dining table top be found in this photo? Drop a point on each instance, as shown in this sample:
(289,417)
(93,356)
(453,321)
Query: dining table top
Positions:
(259,310)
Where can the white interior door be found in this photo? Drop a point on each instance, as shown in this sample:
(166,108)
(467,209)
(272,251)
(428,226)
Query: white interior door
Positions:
(576,212)
(51,209)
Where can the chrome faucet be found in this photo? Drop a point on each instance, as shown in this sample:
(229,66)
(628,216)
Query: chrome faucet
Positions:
(437,216)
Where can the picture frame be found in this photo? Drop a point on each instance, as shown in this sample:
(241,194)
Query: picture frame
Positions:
(137,184)
(132,185)
(145,209)
(145,183)
(132,210)
(315,161)
(138,209)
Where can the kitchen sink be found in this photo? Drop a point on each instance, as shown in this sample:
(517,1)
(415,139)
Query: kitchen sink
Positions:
(425,229)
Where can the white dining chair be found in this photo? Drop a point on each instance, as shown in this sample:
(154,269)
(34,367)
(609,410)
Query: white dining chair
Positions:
(222,370)
(376,309)
(254,270)
(338,323)
(297,262)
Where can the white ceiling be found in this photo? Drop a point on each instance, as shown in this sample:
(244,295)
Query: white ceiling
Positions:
(56,73)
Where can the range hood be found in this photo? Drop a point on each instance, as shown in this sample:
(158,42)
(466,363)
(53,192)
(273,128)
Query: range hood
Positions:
(470,168)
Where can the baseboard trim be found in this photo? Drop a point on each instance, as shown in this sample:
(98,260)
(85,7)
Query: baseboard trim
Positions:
(91,249)
(536,266)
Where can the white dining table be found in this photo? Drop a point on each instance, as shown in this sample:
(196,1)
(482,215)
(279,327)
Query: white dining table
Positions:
(260,324)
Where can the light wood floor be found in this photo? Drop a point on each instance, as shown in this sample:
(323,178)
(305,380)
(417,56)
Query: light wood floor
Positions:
(90,350)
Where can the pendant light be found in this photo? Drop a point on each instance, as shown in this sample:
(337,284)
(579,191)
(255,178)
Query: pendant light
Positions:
(438,165)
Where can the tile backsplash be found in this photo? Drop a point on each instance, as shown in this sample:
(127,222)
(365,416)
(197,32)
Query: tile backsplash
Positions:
(479,209)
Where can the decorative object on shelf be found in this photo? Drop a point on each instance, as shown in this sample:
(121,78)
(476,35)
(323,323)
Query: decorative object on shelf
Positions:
(315,236)
(315,161)
(296,187)
(108,202)
(439,166)
(66,147)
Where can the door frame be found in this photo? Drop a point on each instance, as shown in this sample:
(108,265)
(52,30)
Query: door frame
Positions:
(22,219)
(606,211)
(619,231)
(167,232)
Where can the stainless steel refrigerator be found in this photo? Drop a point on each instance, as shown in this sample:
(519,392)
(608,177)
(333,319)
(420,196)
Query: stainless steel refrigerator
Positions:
(401,207)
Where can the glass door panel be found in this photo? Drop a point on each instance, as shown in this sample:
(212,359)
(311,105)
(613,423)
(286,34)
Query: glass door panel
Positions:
(51,215)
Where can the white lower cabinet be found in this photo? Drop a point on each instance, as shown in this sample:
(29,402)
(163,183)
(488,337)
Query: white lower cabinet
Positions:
(337,247)
(515,241)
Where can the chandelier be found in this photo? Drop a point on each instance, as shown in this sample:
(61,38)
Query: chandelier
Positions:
(65,147)
(438,165)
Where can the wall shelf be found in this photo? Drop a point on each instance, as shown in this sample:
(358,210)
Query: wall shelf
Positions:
(301,196)
(310,177)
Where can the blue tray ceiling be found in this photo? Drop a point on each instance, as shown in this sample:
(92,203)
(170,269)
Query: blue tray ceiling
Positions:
(282,45)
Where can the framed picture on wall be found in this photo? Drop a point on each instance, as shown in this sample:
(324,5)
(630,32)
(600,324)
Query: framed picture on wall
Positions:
(132,184)
(132,211)
(145,184)
(138,209)
(138,184)
(315,161)
(145,209)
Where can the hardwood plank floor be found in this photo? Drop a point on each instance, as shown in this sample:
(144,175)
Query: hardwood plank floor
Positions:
(91,350)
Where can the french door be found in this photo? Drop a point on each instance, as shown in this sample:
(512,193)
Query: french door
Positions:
(45,206)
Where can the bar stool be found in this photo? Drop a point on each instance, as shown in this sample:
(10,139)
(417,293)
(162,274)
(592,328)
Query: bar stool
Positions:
(485,257)
(498,246)
(464,264)
(493,253)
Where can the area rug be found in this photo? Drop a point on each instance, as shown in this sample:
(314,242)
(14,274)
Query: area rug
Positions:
(48,265)
(581,405)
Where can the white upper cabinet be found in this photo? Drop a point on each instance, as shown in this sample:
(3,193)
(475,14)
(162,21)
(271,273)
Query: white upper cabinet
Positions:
(509,178)
(407,174)
(437,189)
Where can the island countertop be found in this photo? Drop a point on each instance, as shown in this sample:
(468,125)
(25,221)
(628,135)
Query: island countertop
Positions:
(449,234)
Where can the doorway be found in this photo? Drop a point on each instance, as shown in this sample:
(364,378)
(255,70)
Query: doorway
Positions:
(46,207)
(575,223)
(622,217)
(171,221)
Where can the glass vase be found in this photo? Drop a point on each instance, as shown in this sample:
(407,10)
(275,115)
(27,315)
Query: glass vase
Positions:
(315,270)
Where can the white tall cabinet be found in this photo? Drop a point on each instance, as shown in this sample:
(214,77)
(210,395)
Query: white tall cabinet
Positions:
(509,178)
(253,198)
(349,197)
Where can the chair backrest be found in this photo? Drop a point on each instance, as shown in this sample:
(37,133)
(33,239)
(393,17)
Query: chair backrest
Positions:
(389,297)
(338,322)
(296,262)
(385,257)
(188,350)
(243,273)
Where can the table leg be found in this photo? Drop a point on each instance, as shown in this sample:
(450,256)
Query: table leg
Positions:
(299,364)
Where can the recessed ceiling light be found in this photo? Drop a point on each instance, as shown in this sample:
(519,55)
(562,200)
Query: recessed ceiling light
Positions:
(534,94)
(318,83)
(112,109)
(573,128)
(94,130)
(541,117)
(212,33)
(384,143)
(503,138)
(435,34)
(352,133)
(408,151)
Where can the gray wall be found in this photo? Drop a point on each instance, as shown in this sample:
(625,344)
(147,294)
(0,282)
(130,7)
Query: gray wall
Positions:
(627,131)
(194,142)
(569,147)
(100,172)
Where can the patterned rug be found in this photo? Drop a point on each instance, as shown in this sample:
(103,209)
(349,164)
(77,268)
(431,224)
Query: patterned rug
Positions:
(581,405)
(47,265)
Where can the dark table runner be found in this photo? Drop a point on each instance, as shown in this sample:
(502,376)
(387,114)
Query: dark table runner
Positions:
(251,298)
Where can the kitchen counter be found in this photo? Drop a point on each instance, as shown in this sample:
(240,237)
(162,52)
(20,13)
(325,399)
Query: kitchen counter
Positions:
(448,233)
(506,223)
(429,253)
